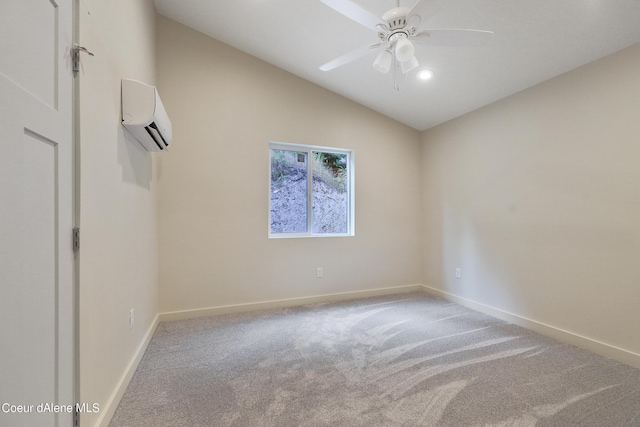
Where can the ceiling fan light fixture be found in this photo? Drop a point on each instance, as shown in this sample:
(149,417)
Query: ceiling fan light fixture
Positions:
(382,63)
(425,74)
(404,50)
(409,65)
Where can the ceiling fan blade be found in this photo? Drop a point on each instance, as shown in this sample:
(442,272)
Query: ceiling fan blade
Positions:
(356,12)
(353,55)
(422,11)
(452,37)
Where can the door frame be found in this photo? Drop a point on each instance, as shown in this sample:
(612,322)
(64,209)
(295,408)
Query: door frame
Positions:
(75,171)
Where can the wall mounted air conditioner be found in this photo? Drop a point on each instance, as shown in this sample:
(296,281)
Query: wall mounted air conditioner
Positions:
(144,115)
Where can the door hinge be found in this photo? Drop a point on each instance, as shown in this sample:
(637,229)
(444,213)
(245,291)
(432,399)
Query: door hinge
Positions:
(76,239)
(76,417)
(75,56)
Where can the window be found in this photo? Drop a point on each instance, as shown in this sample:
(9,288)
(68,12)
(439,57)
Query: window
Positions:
(311,191)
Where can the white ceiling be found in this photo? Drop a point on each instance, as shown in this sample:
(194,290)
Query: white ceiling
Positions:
(534,40)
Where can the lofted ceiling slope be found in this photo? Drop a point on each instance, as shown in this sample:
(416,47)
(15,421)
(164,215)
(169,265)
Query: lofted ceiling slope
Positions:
(534,40)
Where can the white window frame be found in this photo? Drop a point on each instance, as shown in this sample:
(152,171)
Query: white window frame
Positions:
(350,188)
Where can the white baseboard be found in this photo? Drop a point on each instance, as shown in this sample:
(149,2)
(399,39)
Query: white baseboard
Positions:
(109,409)
(599,347)
(291,302)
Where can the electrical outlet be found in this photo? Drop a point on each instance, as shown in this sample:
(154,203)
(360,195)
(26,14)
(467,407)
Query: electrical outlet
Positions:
(132,319)
(320,273)
(458,273)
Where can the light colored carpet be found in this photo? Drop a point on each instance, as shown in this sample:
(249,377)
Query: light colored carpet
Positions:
(403,360)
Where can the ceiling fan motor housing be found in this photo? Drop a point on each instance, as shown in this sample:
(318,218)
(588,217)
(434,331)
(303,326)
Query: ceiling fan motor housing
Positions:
(396,20)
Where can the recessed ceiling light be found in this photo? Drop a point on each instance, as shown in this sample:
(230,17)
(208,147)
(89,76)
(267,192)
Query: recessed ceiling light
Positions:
(425,74)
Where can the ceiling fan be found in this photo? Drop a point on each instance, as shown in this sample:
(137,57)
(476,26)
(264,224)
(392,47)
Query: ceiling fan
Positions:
(397,29)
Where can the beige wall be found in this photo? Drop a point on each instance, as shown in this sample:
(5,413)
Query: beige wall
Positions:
(534,197)
(118,202)
(537,199)
(225,107)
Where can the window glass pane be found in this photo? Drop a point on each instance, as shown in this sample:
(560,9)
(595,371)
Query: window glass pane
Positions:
(289,191)
(330,200)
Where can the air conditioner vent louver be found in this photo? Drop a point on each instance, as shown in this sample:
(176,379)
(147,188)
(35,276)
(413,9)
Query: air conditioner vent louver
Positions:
(152,130)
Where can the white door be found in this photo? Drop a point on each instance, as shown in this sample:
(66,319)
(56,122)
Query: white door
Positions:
(36,188)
